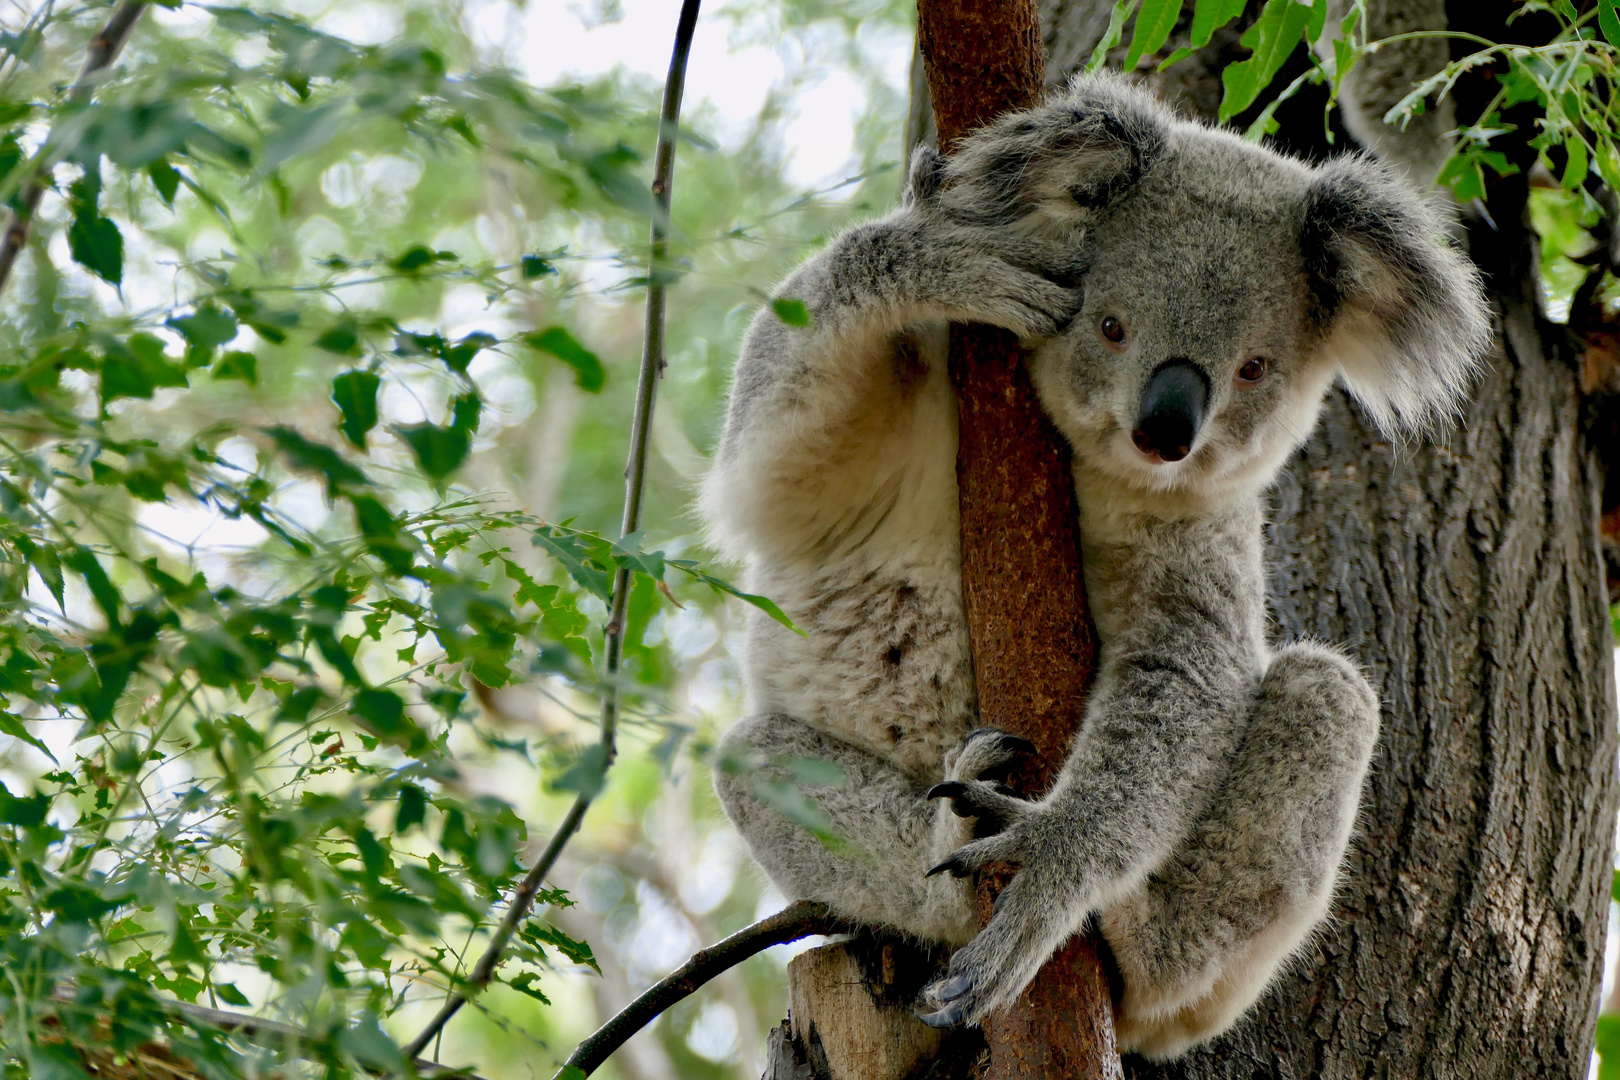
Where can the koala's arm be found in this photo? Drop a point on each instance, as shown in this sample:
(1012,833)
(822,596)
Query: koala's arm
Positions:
(1167,710)
(829,420)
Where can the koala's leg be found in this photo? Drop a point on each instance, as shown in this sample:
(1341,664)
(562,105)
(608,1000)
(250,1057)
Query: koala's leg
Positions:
(891,832)
(1201,940)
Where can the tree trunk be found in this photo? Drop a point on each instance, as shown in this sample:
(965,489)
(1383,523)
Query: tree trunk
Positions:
(1465,575)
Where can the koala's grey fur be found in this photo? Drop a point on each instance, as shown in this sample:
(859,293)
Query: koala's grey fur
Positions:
(1205,806)
(1380,79)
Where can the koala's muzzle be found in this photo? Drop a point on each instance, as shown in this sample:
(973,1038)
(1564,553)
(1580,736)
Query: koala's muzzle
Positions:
(1172,410)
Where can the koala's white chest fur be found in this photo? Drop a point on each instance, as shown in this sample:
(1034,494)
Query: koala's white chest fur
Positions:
(885,663)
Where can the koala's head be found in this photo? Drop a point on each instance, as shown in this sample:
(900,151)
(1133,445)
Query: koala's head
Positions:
(1225,285)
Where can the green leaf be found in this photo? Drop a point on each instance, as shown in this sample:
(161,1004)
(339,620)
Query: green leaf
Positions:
(25,813)
(314,457)
(720,585)
(579,952)
(439,451)
(412,808)
(343,339)
(136,368)
(414,259)
(299,132)
(569,550)
(82,562)
(1154,21)
(230,995)
(368,1045)
(166,178)
(1575,170)
(1111,37)
(1609,21)
(524,984)
(586,775)
(13,726)
(1209,16)
(96,244)
(382,712)
(456,357)
(355,394)
(385,539)
(465,412)
(792,312)
(588,371)
(238,365)
(207,329)
(1274,35)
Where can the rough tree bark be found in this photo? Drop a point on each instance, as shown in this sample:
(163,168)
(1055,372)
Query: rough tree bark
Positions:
(1034,647)
(1033,651)
(1466,575)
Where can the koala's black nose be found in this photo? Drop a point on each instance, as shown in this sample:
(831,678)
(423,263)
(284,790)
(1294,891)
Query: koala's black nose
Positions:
(1172,410)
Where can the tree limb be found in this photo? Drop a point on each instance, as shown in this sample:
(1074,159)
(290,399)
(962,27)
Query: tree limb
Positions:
(1033,644)
(797,920)
(652,369)
(104,49)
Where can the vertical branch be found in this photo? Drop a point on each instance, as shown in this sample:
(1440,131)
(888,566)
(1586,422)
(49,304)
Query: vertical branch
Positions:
(102,51)
(1034,646)
(635,477)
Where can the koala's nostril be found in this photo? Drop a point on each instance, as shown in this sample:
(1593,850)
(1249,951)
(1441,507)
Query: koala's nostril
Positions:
(1165,442)
(1172,411)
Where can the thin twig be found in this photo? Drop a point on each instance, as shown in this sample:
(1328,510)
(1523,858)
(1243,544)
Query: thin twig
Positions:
(104,49)
(793,922)
(635,473)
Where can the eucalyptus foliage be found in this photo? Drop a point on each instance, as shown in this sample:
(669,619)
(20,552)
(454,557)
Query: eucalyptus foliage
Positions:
(220,313)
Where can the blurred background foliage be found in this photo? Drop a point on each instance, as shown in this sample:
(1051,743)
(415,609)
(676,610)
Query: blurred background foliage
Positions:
(316,373)
(315,378)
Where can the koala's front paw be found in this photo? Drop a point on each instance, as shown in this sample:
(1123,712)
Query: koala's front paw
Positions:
(985,287)
(1036,913)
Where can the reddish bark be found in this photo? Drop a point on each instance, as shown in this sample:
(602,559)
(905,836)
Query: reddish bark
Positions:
(1034,645)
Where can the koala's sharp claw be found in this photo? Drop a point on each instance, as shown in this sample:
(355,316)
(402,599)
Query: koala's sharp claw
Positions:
(953,988)
(955,1003)
(1016,743)
(951,866)
(950,789)
(949,1016)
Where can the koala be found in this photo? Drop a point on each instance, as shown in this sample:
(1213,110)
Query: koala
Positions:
(1188,299)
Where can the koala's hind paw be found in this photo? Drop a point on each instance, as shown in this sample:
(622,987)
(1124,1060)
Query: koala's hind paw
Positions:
(1033,917)
(986,753)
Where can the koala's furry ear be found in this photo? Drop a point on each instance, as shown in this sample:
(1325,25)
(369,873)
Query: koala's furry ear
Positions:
(1067,158)
(1402,309)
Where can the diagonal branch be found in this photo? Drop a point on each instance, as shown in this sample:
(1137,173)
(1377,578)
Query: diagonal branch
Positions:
(103,50)
(635,473)
(796,921)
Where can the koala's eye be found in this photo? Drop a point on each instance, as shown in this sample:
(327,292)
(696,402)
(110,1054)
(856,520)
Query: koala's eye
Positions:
(1112,329)
(1253,371)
